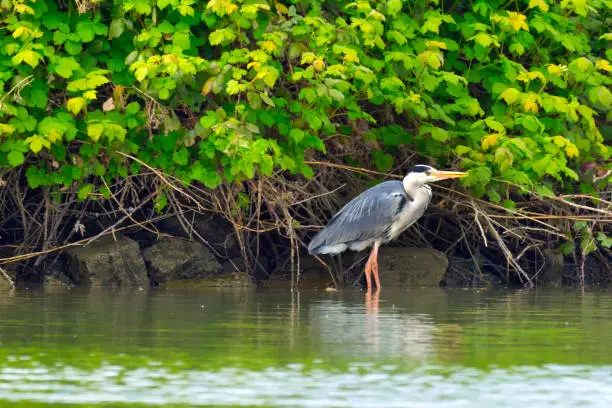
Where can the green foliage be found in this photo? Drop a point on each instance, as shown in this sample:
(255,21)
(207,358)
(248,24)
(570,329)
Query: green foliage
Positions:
(219,91)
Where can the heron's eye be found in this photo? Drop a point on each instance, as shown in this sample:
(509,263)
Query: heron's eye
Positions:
(428,173)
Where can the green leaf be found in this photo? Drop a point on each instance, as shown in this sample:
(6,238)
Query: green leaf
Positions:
(59,37)
(604,240)
(95,130)
(313,141)
(181,157)
(296,135)
(510,95)
(85,31)
(75,105)
(132,108)
(163,93)
(436,133)
(209,120)
(182,40)
(335,94)
(15,158)
(116,28)
(313,119)
(37,142)
(84,191)
(224,35)
(6,129)
(73,48)
(495,125)
(264,97)
(509,204)
(382,161)
(28,56)
(462,150)
(581,65)
(66,66)
(602,95)
(234,87)
(517,49)
(580,225)
(161,201)
(271,76)
(493,196)
(114,131)
(394,6)
(439,134)
(477,176)
(88,83)
(530,123)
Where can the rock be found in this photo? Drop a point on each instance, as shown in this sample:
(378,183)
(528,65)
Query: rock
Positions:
(411,266)
(216,230)
(57,276)
(53,282)
(107,262)
(235,264)
(313,275)
(552,274)
(171,259)
(460,272)
(463,273)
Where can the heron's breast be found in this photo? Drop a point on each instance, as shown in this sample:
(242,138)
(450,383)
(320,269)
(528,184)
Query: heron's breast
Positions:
(411,213)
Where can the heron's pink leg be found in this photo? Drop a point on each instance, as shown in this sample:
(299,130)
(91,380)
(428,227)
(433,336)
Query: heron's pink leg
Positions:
(374,265)
(372,268)
(368,272)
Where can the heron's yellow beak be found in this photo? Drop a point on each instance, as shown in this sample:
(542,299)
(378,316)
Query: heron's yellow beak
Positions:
(442,175)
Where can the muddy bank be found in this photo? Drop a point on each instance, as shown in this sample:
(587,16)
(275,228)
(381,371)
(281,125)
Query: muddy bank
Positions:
(211,256)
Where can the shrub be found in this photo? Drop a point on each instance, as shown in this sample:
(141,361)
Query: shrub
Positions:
(217,91)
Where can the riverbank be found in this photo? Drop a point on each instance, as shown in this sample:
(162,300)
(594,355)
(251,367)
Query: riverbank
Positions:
(460,242)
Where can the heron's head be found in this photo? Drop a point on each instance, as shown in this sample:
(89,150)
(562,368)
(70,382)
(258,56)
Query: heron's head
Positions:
(423,174)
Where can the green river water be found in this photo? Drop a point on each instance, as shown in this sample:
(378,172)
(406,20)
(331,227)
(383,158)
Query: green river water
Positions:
(223,347)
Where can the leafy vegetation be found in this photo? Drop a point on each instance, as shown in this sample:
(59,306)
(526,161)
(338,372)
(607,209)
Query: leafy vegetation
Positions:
(219,91)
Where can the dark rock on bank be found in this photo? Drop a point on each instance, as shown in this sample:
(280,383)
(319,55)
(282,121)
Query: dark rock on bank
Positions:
(215,230)
(312,274)
(411,266)
(108,261)
(171,259)
(463,273)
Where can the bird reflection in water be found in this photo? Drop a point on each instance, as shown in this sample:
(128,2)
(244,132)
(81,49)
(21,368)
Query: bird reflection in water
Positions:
(371,301)
(376,328)
(371,307)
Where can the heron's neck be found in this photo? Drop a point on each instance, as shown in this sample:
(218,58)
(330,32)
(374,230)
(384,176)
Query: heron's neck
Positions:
(411,185)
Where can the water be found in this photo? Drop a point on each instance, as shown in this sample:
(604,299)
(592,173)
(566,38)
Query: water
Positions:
(405,348)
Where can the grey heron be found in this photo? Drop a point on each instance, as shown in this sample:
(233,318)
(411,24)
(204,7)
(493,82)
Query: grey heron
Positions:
(379,215)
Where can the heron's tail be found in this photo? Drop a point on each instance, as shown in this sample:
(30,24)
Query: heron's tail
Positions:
(317,243)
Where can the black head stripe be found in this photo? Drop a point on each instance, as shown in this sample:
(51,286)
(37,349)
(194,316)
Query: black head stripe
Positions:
(421,168)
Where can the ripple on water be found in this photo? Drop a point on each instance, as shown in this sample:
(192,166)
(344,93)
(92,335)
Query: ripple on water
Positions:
(549,385)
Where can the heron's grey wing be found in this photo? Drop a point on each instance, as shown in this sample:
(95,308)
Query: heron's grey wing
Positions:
(366,217)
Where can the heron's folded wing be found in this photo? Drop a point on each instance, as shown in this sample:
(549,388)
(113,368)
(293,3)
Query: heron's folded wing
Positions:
(366,217)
